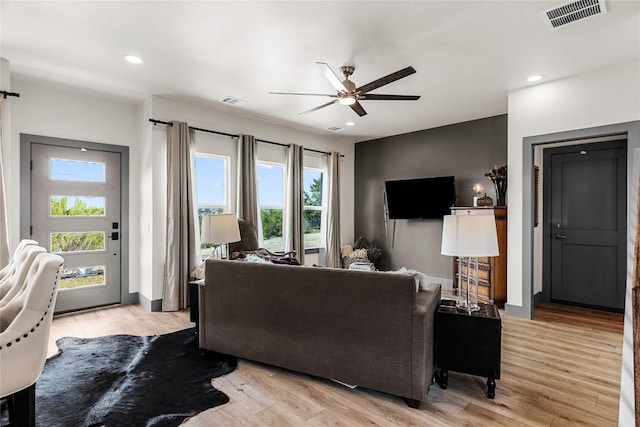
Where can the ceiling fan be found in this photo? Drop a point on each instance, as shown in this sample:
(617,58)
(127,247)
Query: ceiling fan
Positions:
(349,94)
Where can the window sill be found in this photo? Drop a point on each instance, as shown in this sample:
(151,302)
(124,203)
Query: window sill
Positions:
(312,250)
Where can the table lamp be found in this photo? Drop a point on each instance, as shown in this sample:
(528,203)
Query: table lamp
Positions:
(469,236)
(220,229)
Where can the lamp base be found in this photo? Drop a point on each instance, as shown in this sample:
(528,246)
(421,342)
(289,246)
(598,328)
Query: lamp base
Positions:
(474,307)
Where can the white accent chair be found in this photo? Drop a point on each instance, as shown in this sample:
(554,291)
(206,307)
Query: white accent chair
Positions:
(25,339)
(16,272)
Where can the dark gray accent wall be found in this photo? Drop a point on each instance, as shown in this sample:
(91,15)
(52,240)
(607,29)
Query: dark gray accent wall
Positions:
(465,150)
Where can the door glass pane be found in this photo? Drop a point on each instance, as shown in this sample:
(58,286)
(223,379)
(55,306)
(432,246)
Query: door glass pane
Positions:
(76,242)
(76,170)
(82,276)
(77,206)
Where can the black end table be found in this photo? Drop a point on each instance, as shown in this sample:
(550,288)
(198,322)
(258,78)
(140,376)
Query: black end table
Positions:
(194,305)
(469,343)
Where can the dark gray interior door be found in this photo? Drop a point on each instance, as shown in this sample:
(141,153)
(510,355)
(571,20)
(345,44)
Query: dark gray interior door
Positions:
(585,224)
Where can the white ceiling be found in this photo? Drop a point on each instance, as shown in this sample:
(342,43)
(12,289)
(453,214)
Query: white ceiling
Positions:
(468,54)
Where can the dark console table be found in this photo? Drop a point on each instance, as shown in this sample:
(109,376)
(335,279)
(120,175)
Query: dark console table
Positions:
(469,343)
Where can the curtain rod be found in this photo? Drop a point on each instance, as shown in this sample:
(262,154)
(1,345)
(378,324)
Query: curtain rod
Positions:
(4,94)
(156,122)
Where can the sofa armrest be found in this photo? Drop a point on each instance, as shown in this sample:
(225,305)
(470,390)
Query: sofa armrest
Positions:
(423,331)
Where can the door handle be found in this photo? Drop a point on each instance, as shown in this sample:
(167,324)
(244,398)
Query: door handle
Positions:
(114,235)
(560,236)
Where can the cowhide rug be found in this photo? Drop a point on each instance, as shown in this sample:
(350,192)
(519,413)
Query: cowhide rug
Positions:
(125,380)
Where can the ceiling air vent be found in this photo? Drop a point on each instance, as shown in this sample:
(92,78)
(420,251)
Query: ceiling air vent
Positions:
(233,101)
(335,128)
(572,11)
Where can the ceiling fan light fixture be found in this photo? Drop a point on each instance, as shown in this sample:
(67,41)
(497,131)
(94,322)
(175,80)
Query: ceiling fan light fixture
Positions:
(347,100)
(133,59)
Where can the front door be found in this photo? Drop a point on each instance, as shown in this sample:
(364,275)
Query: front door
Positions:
(585,220)
(75,212)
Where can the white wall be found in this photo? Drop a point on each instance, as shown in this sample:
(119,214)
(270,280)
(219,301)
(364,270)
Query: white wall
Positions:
(207,117)
(602,97)
(65,112)
(50,109)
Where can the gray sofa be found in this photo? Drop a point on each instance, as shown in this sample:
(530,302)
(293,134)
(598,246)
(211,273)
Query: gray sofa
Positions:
(370,329)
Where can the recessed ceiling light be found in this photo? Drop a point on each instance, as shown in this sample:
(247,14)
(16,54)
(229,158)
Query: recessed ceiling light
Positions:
(350,123)
(534,78)
(133,59)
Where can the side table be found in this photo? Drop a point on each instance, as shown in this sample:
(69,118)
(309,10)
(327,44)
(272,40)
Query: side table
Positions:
(194,304)
(469,343)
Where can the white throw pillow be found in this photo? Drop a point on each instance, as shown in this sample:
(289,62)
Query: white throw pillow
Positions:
(421,278)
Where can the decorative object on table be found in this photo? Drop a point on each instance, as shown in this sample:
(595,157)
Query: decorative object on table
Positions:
(362,266)
(350,256)
(220,229)
(373,252)
(477,191)
(498,175)
(485,201)
(120,380)
(469,236)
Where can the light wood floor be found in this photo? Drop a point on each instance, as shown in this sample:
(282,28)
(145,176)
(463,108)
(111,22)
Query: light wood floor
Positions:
(561,369)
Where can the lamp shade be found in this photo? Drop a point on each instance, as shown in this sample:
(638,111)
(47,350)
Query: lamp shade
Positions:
(469,236)
(220,228)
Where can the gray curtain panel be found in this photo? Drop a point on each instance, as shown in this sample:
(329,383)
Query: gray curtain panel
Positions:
(247,201)
(4,227)
(294,203)
(333,212)
(182,252)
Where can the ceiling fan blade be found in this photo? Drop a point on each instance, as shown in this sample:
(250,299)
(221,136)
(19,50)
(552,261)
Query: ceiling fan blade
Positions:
(308,94)
(317,108)
(331,76)
(374,97)
(386,80)
(358,109)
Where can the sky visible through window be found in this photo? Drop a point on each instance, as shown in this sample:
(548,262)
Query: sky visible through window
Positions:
(209,178)
(75,170)
(210,181)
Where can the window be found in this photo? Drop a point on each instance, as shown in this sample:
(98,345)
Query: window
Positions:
(312,199)
(77,170)
(212,189)
(271,199)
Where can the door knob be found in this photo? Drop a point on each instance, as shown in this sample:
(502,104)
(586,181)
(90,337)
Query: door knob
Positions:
(560,236)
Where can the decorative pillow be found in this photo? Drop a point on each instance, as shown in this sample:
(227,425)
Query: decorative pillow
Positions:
(350,256)
(285,260)
(420,278)
(198,272)
(255,258)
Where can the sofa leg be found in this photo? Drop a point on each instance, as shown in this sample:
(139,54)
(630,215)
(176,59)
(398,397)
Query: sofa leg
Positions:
(22,407)
(413,403)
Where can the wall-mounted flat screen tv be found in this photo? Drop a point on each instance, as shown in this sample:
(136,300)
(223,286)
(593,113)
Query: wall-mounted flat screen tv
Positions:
(420,198)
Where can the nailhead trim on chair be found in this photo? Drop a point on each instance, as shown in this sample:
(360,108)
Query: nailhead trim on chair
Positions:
(55,284)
